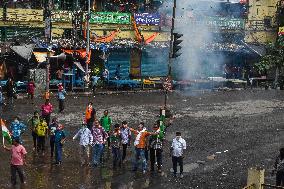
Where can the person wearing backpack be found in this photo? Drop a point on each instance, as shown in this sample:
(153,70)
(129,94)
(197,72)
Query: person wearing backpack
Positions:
(279,168)
(41,131)
(32,123)
(106,124)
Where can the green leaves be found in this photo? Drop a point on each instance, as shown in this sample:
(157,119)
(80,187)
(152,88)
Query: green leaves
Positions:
(273,59)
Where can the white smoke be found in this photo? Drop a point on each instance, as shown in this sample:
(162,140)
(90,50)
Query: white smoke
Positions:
(190,20)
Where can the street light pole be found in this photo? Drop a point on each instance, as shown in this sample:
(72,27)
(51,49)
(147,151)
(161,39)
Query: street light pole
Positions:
(88,39)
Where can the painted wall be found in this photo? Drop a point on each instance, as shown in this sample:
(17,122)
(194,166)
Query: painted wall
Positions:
(256,30)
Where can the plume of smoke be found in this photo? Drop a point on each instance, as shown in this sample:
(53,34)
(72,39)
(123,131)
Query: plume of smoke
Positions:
(191,15)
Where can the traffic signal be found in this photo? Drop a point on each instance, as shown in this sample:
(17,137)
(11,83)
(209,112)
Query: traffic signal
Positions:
(176,45)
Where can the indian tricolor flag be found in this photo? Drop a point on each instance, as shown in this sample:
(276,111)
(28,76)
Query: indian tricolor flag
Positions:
(5,132)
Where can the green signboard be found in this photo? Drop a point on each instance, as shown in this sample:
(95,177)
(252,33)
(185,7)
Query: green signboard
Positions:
(110,18)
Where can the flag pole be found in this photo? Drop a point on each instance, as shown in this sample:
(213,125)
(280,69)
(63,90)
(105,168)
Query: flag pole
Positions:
(3,140)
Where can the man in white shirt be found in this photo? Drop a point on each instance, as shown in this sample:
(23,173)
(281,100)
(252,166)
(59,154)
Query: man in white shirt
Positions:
(178,145)
(86,139)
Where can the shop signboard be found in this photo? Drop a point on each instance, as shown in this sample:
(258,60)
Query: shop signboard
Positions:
(147,18)
(61,16)
(110,18)
(225,23)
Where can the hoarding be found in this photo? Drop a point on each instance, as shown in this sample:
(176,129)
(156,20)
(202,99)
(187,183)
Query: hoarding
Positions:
(110,18)
(147,19)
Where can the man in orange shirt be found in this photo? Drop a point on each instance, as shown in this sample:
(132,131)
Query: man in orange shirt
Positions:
(140,143)
(90,115)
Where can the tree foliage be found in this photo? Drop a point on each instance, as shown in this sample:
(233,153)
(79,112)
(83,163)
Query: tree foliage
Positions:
(273,59)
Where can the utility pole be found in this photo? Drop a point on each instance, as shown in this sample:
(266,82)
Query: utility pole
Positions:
(88,39)
(48,40)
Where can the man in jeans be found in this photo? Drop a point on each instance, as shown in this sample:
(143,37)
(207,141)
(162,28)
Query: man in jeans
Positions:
(99,138)
(115,140)
(140,144)
(86,139)
(125,138)
(18,153)
(178,145)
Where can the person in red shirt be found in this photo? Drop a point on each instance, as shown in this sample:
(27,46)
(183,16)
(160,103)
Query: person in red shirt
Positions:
(18,153)
(46,110)
(31,89)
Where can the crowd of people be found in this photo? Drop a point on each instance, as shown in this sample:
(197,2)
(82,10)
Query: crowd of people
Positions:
(96,135)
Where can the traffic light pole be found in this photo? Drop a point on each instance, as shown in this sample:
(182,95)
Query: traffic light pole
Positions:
(171,50)
(88,41)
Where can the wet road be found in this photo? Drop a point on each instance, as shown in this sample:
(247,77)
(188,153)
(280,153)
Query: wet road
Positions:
(227,133)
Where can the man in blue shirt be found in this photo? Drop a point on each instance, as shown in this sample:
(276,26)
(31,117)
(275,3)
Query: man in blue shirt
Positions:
(59,136)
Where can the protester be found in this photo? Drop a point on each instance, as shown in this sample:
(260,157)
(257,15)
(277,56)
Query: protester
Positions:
(177,147)
(86,140)
(125,138)
(32,123)
(41,131)
(52,128)
(31,89)
(18,153)
(17,129)
(156,144)
(106,124)
(46,110)
(140,144)
(100,137)
(61,97)
(115,139)
(279,168)
(90,115)
(60,138)
(11,91)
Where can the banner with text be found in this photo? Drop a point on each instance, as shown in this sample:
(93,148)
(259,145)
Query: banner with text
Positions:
(147,19)
(110,18)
